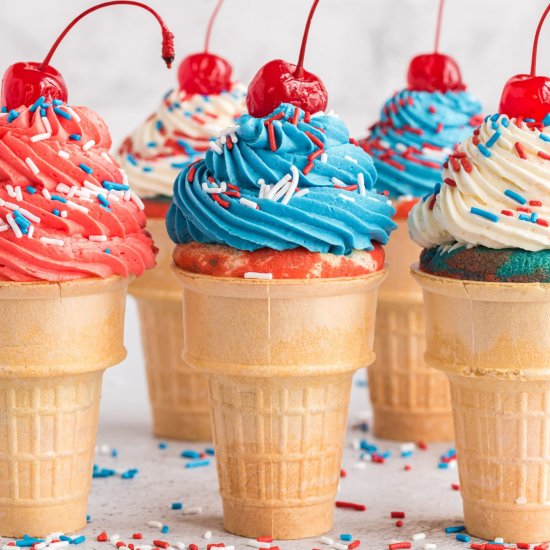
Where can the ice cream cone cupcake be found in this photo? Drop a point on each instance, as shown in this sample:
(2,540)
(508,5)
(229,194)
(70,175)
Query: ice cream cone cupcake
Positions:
(205,102)
(418,128)
(71,238)
(485,273)
(279,234)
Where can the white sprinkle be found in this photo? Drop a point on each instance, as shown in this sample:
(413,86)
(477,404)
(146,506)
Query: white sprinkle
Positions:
(107,157)
(257,544)
(60,544)
(124,176)
(212,190)
(326,540)
(257,275)
(63,154)
(30,233)
(419,536)
(324,158)
(302,193)
(46,193)
(47,125)
(62,188)
(114,538)
(499,540)
(406,447)
(135,199)
(14,226)
(156,524)
(453,464)
(88,145)
(223,140)
(113,196)
(430,546)
(207,535)
(73,113)
(361,184)
(10,205)
(78,207)
(3,227)
(72,191)
(18,194)
(30,163)
(39,546)
(182,546)
(521,500)
(10,190)
(63,213)
(93,187)
(345,197)
(246,202)
(336,181)
(98,239)
(293,184)
(29,215)
(282,183)
(351,159)
(192,511)
(40,137)
(214,146)
(339,546)
(56,242)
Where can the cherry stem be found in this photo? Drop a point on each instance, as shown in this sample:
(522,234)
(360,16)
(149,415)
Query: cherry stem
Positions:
(438,27)
(168,53)
(299,72)
(536,42)
(211,24)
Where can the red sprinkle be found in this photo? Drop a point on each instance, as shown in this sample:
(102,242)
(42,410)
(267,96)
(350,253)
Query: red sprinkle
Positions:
(523,545)
(456,486)
(542,222)
(439,127)
(120,544)
(407,467)
(432,109)
(543,155)
(265,539)
(450,182)
(535,203)
(399,523)
(161,543)
(397,515)
(422,445)
(466,165)
(315,140)
(354,544)
(399,545)
(523,209)
(476,120)
(215,545)
(131,546)
(543,546)
(343,473)
(308,168)
(431,205)
(219,200)
(102,537)
(454,164)
(271,135)
(520,150)
(137,536)
(351,505)
(193,547)
(296,115)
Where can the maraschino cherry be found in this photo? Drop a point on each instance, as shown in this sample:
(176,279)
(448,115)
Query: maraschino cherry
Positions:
(205,73)
(281,82)
(25,82)
(435,72)
(528,95)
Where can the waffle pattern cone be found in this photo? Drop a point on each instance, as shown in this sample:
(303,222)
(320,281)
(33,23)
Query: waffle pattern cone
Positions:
(493,342)
(178,393)
(51,366)
(411,401)
(280,357)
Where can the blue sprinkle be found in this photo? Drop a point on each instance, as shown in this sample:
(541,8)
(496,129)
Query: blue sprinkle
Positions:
(167,94)
(13,114)
(37,103)
(177,506)
(176,105)
(58,198)
(484,214)
(103,200)
(88,518)
(346,536)
(57,102)
(132,160)
(75,137)
(86,168)
(516,196)
(184,145)
(30,189)
(505,122)
(190,454)
(152,144)
(4,109)
(110,185)
(386,454)
(529,120)
(484,150)
(66,538)
(205,98)
(198,463)
(544,137)
(163,445)
(463,538)
(495,117)
(546,120)
(43,112)
(165,529)
(534,217)
(187,114)
(199,109)
(494,125)
(79,540)
(455,529)
(487,118)
(179,165)
(524,217)
(493,139)
(27,541)
(147,169)
(443,465)
(56,212)
(159,125)
(406,454)
(46,105)
(62,113)
(209,451)
(107,251)
(437,188)
(114,453)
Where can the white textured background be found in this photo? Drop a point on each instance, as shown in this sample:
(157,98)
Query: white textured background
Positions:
(361,49)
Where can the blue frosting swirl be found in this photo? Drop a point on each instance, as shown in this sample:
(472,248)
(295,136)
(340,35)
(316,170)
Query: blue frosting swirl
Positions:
(415,134)
(333,209)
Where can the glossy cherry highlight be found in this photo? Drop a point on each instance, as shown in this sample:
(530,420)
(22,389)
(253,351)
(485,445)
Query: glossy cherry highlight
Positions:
(25,82)
(281,82)
(205,73)
(528,95)
(435,72)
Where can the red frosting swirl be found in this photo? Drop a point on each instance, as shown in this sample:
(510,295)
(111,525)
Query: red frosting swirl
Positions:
(66,211)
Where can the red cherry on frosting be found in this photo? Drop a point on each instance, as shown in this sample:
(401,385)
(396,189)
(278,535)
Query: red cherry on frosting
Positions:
(434,72)
(528,95)
(204,73)
(25,82)
(281,82)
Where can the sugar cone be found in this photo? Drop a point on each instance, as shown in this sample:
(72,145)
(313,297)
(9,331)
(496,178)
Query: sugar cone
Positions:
(279,356)
(411,401)
(178,394)
(55,342)
(493,342)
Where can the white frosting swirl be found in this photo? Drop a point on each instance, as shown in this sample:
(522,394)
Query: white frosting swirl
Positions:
(495,190)
(176,134)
